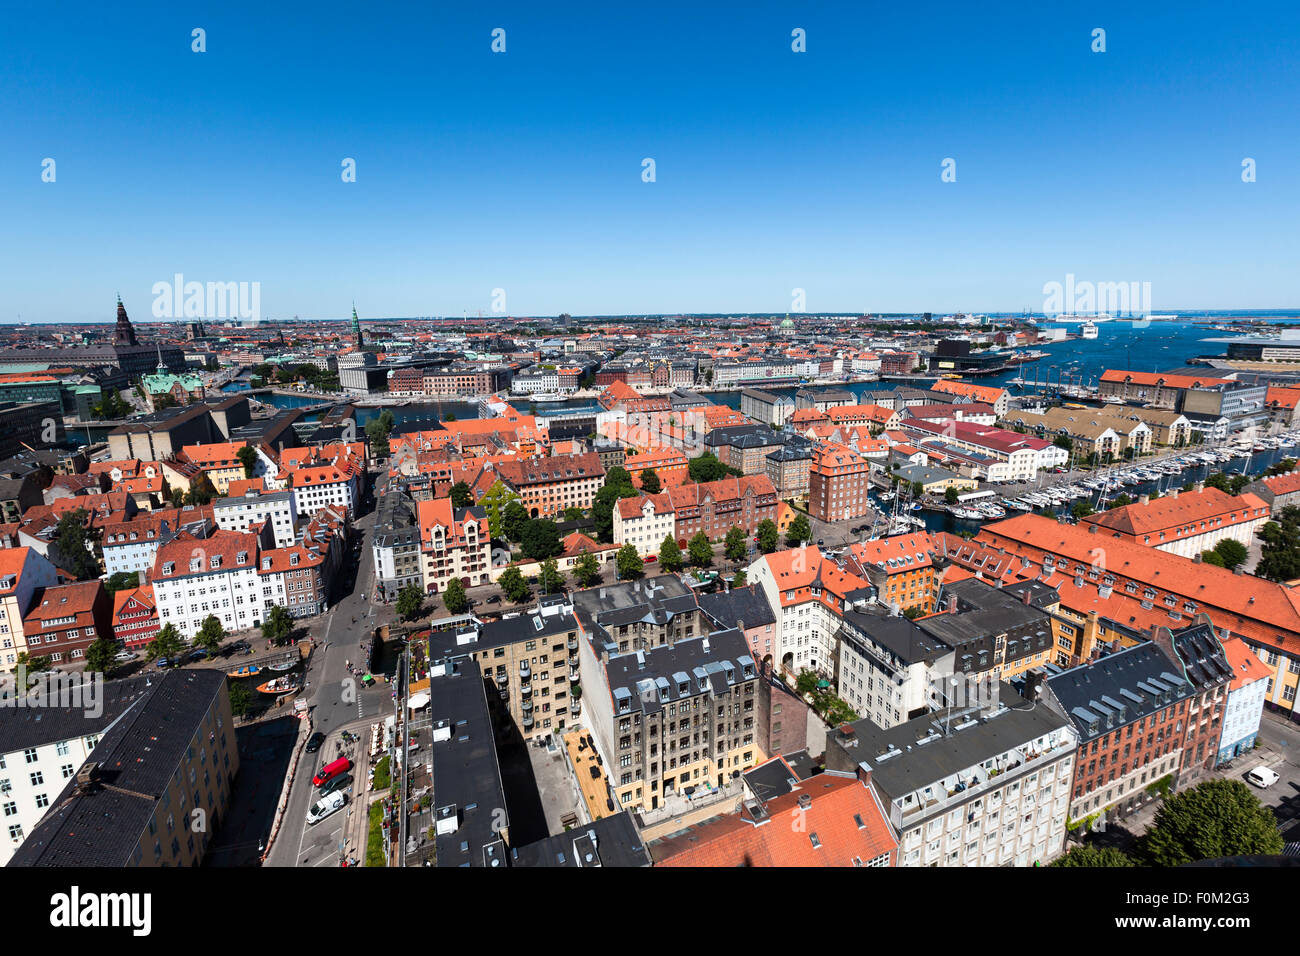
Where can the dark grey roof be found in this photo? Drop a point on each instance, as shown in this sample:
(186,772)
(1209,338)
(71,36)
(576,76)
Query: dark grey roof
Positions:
(655,599)
(22,727)
(467,790)
(728,608)
(648,679)
(1141,679)
(915,766)
(743,436)
(902,638)
(772,779)
(983,610)
(552,616)
(608,841)
(1204,662)
(137,757)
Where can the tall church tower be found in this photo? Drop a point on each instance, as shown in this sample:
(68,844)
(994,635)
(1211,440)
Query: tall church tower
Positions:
(124,334)
(356,326)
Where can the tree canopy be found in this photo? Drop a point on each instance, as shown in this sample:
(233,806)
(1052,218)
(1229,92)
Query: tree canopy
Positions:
(630,565)
(1214,819)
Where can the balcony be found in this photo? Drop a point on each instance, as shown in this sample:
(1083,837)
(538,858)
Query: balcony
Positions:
(575,708)
(574,672)
(527,707)
(503,679)
(528,721)
(572,644)
(525,671)
(976,780)
(526,691)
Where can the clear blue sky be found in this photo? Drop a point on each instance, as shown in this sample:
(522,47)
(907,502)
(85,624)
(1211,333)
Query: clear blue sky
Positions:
(775,170)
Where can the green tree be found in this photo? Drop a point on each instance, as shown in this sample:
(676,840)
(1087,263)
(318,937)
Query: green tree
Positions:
(738,579)
(541,539)
(618,485)
(73,540)
(122,581)
(918,489)
(278,626)
(99,655)
(494,502)
(549,578)
(706,468)
(453,597)
(1279,558)
(586,571)
(513,584)
(32,665)
(650,481)
(913,612)
(248,458)
(700,550)
(1233,552)
(806,683)
(410,602)
(1089,855)
(209,634)
(201,490)
(629,563)
(1063,441)
(767,536)
(377,430)
(670,555)
(736,544)
(166,643)
(1214,819)
(514,520)
(1121,501)
(241,699)
(950,495)
(798,531)
(574,513)
(1212,557)
(1081,509)
(618,475)
(461,496)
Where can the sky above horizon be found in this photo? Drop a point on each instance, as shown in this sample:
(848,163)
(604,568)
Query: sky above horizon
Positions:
(522,171)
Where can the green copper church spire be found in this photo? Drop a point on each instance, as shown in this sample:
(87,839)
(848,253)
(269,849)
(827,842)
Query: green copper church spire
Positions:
(356,326)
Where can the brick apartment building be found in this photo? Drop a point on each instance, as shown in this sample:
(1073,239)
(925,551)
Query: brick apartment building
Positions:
(547,486)
(838,484)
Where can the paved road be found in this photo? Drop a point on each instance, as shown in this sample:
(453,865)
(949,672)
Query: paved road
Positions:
(337,702)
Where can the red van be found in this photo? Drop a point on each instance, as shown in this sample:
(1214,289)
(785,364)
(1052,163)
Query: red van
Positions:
(331,770)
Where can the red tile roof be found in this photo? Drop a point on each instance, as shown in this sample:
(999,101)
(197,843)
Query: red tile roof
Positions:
(842,826)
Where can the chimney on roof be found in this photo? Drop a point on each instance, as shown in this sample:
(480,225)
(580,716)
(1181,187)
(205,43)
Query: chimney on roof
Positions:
(1144,499)
(1199,486)
(1027,596)
(1092,527)
(952,604)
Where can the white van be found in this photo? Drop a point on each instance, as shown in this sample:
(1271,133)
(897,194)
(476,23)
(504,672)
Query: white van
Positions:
(325,806)
(1263,777)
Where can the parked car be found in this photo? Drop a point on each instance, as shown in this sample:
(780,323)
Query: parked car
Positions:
(314,742)
(123,656)
(1263,777)
(331,770)
(325,806)
(494,599)
(342,781)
